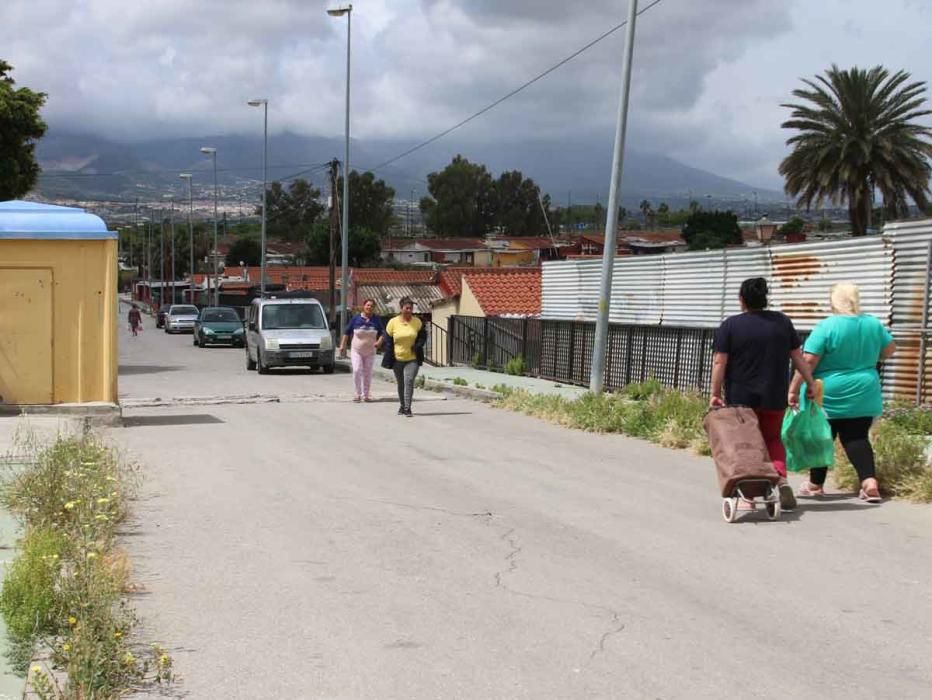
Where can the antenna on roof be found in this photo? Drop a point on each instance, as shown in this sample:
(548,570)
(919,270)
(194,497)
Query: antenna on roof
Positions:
(546,220)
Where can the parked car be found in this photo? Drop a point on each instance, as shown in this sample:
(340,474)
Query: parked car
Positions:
(219,325)
(160,315)
(180,318)
(288,333)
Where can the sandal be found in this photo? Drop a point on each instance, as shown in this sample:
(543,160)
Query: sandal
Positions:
(368,399)
(357,399)
(866,497)
(809,490)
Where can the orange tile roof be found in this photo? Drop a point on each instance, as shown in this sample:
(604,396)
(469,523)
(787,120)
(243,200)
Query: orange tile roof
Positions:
(506,292)
(377,275)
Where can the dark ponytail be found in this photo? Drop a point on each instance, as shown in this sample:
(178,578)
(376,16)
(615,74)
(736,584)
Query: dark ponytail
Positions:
(754,293)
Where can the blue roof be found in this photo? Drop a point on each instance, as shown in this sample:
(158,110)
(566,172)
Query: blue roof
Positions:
(35,220)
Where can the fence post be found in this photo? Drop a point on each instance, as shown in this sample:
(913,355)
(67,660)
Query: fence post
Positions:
(921,369)
(572,355)
(450,321)
(702,349)
(524,342)
(628,355)
(609,384)
(485,342)
(676,358)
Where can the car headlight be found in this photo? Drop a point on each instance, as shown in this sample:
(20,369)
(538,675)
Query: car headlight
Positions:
(207,331)
(271,344)
(238,331)
(326,343)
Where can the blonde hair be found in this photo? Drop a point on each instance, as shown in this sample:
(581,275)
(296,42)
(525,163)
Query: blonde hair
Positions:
(846,299)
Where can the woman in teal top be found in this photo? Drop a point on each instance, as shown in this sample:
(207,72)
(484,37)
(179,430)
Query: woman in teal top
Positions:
(844,351)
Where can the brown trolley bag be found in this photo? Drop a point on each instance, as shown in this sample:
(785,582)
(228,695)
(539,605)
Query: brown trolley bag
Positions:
(738,449)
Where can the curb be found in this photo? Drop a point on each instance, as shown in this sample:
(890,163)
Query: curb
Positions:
(465,392)
(95,413)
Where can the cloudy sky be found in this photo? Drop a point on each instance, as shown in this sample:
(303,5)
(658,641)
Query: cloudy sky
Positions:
(709,74)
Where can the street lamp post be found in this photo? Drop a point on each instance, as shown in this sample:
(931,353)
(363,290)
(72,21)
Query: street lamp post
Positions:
(190,180)
(171,227)
(265,185)
(212,154)
(597,373)
(344,233)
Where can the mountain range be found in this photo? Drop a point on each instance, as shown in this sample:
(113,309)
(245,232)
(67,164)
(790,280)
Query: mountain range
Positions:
(84,166)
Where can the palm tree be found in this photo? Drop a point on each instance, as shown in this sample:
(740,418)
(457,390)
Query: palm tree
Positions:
(857,135)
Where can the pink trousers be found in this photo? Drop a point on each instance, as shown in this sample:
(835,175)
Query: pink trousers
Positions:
(362,372)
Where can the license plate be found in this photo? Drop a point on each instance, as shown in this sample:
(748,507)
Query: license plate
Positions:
(301,354)
(223,337)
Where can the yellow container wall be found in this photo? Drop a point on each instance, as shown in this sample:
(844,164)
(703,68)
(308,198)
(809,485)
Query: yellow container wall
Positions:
(58,306)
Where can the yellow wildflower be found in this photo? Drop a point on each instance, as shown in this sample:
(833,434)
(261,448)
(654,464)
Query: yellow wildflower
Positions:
(117,634)
(37,669)
(103,500)
(129,659)
(69,505)
(72,620)
(66,647)
(101,516)
(91,555)
(164,660)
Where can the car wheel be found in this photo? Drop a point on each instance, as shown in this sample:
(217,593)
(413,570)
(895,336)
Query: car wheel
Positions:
(328,369)
(262,368)
(194,340)
(250,363)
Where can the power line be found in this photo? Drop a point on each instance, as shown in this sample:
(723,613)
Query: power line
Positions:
(514,92)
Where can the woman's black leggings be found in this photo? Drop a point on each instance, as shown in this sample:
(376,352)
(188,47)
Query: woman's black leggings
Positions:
(853,433)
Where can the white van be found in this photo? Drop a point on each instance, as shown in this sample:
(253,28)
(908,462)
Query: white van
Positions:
(288,333)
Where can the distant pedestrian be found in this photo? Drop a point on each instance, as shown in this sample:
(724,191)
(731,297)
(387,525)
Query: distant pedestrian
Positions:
(844,351)
(405,352)
(366,333)
(135,320)
(752,358)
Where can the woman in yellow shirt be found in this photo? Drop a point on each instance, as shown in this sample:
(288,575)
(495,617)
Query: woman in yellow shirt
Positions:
(408,338)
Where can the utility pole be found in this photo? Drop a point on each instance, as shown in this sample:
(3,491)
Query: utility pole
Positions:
(171,223)
(161,259)
(597,373)
(334,222)
(135,229)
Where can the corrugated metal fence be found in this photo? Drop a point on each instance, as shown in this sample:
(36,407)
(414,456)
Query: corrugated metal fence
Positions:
(664,309)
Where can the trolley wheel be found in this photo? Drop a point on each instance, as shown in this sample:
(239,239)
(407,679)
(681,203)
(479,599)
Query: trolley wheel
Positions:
(774,510)
(729,509)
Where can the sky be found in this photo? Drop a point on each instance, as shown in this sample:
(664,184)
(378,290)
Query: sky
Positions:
(709,75)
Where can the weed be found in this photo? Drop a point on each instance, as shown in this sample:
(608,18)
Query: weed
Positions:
(64,590)
(459,381)
(479,386)
(643,391)
(515,366)
(420,381)
(900,457)
(476,360)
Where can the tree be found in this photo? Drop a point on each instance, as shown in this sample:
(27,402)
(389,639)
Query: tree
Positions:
(793,226)
(663,208)
(364,245)
(20,128)
(517,205)
(370,202)
(245,250)
(857,133)
(292,212)
(712,229)
(461,201)
(648,211)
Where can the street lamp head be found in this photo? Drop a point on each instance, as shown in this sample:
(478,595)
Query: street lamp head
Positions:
(257,102)
(209,151)
(340,11)
(185,176)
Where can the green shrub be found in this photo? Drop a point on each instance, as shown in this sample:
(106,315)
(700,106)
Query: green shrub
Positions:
(900,458)
(476,360)
(30,603)
(459,381)
(917,421)
(515,366)
(643,391)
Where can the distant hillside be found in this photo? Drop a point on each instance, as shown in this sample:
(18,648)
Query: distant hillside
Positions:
(92,167)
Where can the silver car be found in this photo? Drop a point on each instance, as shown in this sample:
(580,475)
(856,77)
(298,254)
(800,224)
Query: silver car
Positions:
(180,318)
(288,333)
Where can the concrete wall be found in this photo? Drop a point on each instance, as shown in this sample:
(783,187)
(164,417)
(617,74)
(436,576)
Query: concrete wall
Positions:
(469,305)
(58,334)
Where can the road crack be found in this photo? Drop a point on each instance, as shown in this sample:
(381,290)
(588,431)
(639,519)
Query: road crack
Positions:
(616,626)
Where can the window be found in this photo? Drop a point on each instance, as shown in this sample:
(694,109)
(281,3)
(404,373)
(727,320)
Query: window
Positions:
(183,311)
(284,316)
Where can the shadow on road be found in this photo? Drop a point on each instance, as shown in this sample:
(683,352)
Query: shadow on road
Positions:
(178,419)
(443,413)
(127,370)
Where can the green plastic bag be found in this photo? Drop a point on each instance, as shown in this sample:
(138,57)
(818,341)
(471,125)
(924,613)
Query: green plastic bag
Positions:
(807,437)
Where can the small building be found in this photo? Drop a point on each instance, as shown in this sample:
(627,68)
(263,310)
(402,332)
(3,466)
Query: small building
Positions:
(58,306)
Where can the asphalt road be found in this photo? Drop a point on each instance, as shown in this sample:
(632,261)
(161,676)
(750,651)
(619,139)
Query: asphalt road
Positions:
(317,548)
